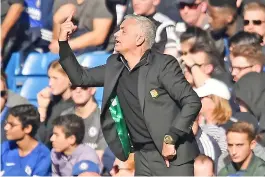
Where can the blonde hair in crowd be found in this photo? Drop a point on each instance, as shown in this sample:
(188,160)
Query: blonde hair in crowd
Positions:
(222,111)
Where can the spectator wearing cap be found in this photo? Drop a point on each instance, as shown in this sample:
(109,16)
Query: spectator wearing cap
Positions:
(68,134)
(250,94)
(22,154)
(215,110)
(87,109)
(259,150)
(201,58)
(86,168)
(53,100)
(254,18)
(204,166)
(241,142)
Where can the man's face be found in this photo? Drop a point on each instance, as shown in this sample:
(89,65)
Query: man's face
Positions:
(126,37)
(3,94)
(240,67)
(144,7)
(239,146)
(190,13)
(218,20)
(254,21)
(58,82)
(14,129)
(82,95)
(59,141)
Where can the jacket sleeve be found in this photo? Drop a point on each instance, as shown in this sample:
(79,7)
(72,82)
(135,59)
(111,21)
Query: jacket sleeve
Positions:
(180,90)
(79,76)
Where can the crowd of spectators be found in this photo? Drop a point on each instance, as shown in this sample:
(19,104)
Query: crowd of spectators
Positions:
(219,44)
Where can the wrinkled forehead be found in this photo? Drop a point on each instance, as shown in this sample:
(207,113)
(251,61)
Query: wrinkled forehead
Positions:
(129,24)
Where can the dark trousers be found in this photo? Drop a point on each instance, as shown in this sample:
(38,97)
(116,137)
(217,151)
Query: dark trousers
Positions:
(151,163)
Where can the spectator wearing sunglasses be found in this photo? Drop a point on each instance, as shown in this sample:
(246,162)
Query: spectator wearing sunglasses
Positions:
(193,12)
(87,108)
(8,100)
(254,18)
(22,154)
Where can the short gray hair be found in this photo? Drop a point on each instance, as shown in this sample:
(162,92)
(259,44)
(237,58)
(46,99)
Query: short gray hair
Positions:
(147,27)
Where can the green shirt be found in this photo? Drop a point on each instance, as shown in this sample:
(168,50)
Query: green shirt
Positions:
(256,167)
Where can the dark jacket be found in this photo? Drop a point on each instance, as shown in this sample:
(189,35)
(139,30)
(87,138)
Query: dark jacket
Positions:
(175,106)
(255,168)
(251,90)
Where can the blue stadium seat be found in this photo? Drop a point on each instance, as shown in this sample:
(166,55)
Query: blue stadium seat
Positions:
(13,67)
(38,63)
(94,59)
(99,95)
(32,86)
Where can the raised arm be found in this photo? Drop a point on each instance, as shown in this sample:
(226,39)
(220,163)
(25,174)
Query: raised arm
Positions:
(78,75)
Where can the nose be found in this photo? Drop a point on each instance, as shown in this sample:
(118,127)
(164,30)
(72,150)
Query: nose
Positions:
(50,82)
(117,33)
(7,127)
(52,138)
(233,150)
(234,72)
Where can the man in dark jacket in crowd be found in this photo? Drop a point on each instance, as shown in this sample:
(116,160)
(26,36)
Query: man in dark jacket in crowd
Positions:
(250,94)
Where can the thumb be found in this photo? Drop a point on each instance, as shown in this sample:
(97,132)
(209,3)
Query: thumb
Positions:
(167,163)
(69,18)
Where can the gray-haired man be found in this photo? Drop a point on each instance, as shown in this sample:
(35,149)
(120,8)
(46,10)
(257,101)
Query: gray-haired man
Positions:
(146,92)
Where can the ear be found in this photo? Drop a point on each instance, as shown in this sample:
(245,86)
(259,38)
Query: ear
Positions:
(208,69)
(253,144)
(72,140)
(203,7)
(156,2)
(229,18)
(140,40)
(28,129)
(257,68)
(93,90)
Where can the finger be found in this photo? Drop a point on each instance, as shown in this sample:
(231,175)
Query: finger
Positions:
(69,18)
(167,162)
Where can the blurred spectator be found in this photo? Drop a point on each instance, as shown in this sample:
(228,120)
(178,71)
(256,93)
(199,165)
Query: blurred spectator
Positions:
(86,168)
(254,18)
(215,110)
(204,166)
(121,168)
(193,12)
(22,155)
(201,58)
(245,59)
(244,38)
(165,36)
(259,150)
(108,160)
(241,142)
(223,17)
(68,150)
(9,99)
(10,14)
(93,19)
(53,100)
(87,108)
(224,23)
(207,145)
(250,94)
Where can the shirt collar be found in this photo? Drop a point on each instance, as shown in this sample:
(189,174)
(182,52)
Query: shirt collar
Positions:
(232,165)
(142,61)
